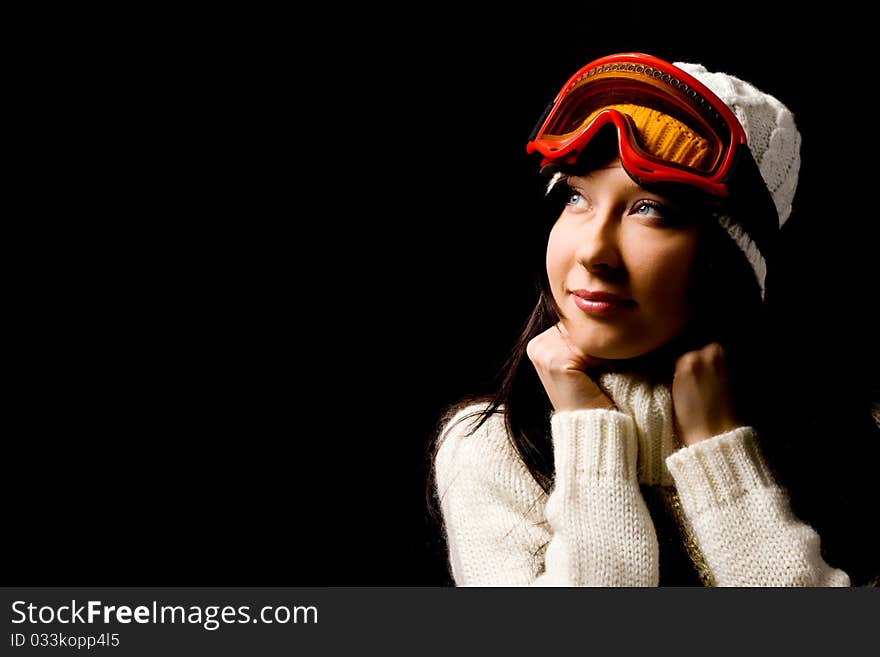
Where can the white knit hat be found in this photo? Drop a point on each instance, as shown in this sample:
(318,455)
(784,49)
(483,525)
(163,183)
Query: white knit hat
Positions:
(774,141)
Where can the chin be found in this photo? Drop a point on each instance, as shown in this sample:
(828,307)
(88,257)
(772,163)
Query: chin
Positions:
(614,345)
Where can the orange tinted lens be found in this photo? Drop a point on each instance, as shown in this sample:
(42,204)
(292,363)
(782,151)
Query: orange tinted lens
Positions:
(676,128)
(664,138)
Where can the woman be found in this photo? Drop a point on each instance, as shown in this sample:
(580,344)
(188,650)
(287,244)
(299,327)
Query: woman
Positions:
(621,448)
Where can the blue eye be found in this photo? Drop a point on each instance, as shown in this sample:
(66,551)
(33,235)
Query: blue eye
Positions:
(650,209)
(657,214)
(576,200)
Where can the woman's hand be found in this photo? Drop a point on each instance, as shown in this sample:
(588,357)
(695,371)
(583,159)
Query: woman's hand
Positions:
(561,366)
(700,396)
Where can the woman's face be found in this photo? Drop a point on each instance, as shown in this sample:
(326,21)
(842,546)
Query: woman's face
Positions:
(615,238)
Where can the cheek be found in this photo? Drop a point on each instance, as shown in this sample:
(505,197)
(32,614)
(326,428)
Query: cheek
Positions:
(661,273)
(558,257)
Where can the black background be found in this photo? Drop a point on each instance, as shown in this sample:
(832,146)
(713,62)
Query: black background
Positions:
(260,253)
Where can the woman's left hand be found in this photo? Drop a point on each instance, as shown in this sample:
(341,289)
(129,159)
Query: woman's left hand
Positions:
(700,395)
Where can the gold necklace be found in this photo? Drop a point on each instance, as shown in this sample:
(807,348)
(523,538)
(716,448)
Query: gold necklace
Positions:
(672,501)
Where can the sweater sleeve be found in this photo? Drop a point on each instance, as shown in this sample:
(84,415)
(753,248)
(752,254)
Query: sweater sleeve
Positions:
(593,530)
(742,519)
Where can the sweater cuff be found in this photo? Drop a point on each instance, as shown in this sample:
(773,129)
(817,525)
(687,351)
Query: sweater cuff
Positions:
(594,443)
(718,470)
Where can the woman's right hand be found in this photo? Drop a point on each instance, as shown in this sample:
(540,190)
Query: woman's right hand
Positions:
(561,366)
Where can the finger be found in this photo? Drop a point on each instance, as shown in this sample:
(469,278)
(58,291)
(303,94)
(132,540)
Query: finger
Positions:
(715,355)
(585,358)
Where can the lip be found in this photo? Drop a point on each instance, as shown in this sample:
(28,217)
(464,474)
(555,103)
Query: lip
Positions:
(595,302)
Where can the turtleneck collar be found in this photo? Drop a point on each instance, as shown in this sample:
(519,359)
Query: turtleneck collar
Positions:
(649,403)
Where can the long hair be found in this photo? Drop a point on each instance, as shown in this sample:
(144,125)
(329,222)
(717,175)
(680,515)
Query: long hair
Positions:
(727,308)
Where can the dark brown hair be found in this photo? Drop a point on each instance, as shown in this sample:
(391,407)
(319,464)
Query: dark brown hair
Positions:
(726,301)
(727,308)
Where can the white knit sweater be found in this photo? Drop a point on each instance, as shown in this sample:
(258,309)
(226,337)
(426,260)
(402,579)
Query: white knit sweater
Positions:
(594,528)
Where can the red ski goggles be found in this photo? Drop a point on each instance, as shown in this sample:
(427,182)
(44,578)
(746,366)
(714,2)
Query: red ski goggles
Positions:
(670,127)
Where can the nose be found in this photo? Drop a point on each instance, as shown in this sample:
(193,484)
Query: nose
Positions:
(598,248)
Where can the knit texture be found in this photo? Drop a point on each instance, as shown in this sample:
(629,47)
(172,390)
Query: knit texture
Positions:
(775,144)
(602,531)
(650,407)
(664,136)
(594,528)
(773,137)
(731,499)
